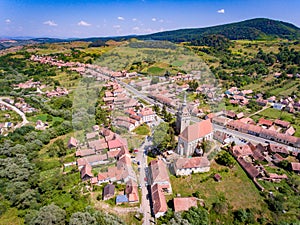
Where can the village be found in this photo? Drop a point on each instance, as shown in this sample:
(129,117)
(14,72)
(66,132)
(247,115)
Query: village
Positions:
(187,159)
(104,158)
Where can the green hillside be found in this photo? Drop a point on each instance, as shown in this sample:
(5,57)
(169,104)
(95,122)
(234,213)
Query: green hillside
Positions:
(253,29)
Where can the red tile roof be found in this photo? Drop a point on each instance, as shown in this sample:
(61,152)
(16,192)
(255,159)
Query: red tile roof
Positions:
(159,171)
(98,144)
(241,150)
(282,123)
(113,154)
(86,171)
(291,131)
(263,121)
(113,144)
(295,166)
(248,167)
(183,204)
(159,200)
(72,142)
(131,191)
(278,149)
(197,130)
(146,112)
(85,152)
(194,162)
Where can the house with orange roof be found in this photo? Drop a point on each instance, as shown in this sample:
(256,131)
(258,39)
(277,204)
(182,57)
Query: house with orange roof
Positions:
(147,115)
(159,201)
(241,150)
(187,166)
(184,204)
(192,136)
(265,122)
(158,174)
(131,191)
(86,172)
(115,144)
(72,143)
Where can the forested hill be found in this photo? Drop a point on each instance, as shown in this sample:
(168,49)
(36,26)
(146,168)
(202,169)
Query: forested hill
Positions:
(253,29)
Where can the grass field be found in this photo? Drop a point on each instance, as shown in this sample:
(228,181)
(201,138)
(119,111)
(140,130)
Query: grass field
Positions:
(43,117)
(235,186)
(155,61)
(142,130)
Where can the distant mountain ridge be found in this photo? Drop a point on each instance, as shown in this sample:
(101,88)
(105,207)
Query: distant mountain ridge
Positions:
(253,29)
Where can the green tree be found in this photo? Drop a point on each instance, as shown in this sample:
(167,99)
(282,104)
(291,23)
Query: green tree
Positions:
(49,215)
(226,159)
(161,137)
(82,218)
(196,216)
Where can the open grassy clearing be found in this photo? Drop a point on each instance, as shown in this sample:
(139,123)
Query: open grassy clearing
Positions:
(142,130)
(275,114)
(43,117)
(235,186)
(285,89)
(178,59)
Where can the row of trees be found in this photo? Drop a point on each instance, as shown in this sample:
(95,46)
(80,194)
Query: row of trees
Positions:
(52,214)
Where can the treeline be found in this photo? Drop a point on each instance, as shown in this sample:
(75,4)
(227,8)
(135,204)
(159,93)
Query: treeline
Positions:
(153,44)
(98,43)
(218,42)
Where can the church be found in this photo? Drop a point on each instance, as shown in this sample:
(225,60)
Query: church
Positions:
(191,136)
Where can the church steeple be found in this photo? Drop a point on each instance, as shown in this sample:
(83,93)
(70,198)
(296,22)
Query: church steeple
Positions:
(183,116)
(184,100)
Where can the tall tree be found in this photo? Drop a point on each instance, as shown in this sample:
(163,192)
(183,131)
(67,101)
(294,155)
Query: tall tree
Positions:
(49,215)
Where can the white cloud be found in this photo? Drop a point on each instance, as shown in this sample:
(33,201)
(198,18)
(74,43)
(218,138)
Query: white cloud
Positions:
(7,21)
(161,20)
(50,23)
(221,11)
(117,26)
(153,19)
(134,19)
(83,23)
(120,18)
(135,28)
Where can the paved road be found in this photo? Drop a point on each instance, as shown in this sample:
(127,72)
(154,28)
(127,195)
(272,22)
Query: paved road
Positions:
(24,122)
(250,137)
(145,202)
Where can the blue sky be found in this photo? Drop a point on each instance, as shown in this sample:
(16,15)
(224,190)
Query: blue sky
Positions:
(71,18)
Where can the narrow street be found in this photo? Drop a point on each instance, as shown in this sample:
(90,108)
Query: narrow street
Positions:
(141,157)
(24,122)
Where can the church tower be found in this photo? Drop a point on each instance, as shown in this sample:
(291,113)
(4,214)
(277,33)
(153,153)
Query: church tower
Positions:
(183,117)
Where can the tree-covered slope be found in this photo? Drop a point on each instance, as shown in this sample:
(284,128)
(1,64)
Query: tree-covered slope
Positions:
(259,28)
